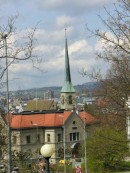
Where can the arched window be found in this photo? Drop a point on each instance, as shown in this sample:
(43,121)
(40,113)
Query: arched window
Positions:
(70,99)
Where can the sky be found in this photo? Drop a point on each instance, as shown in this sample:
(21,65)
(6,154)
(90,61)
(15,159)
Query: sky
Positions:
(51,17)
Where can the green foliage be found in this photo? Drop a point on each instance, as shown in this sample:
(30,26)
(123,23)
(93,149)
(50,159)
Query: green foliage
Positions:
(2,136)
(106,149)
(55,168)
(108,146)
(61,152)
(3,142)
(22,159)
(21,156)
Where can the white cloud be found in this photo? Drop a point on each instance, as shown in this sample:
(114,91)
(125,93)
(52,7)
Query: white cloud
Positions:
(81,55)
(65,21)
(50,36)
(73,6)
(81,46)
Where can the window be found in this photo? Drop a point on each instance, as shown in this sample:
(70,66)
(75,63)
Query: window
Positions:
(59,137)
(14,139)
(48,138)
(74,136)
(74,128)
(38,137)
(28,139)
(74,122)
(70,99)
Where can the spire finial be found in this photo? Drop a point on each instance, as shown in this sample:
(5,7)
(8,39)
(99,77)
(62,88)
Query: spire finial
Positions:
(65,31)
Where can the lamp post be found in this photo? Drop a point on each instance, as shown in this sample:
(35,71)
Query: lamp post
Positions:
(64,146)
(47,151)
(4,37)
(85,159)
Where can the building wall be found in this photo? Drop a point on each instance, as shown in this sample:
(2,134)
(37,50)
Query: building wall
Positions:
(49,94)
(21,139)
(23,145)
(72,125)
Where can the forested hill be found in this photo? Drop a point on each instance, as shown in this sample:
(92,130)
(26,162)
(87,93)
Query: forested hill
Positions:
(38,92)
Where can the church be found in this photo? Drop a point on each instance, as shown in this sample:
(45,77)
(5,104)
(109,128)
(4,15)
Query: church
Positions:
(64,129)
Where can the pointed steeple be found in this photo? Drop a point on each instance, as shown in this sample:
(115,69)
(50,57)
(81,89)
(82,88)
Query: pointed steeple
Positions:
(67,66)
(67,87)
(68,93)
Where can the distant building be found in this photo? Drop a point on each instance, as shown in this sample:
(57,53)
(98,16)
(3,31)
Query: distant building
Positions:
(34,105)
(49,94)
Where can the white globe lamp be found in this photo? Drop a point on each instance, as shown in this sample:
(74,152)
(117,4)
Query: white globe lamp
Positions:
(47,151)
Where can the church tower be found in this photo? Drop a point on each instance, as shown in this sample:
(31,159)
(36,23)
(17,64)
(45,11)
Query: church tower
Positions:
(68,93)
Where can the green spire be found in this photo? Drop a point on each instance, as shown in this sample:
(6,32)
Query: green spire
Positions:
(67,66)
(68,87)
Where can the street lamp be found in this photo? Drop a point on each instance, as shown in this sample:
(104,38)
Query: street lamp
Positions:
(85,159)
(46,152)
(4,37)
(62,116)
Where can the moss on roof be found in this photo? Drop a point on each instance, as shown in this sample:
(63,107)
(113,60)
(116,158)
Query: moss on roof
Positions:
(40,105)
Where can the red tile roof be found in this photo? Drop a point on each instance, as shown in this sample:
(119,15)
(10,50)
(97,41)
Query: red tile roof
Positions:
(40,120)
(88,118)
(45,120)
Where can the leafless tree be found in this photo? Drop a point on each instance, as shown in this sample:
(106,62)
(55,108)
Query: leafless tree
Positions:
(116,51)
(15,45)
(115,87)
